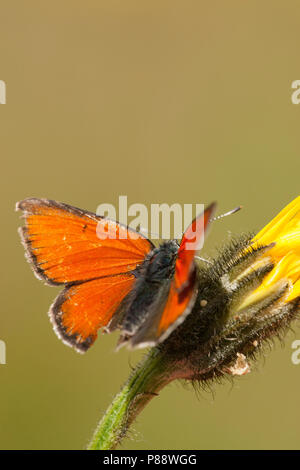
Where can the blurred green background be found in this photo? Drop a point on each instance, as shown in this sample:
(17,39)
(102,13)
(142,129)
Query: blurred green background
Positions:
(163,102)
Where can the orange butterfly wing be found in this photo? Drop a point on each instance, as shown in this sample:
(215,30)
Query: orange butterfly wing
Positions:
(65,244)
(68,246)
(82,309)
(182,293)
(192,241)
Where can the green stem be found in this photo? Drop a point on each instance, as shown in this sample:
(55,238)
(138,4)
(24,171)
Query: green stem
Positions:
(147,379)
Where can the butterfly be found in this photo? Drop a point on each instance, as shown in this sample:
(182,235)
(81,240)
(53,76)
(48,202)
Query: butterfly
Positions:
(109,282)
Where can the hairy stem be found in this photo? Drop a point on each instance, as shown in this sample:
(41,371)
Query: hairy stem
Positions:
(150,376)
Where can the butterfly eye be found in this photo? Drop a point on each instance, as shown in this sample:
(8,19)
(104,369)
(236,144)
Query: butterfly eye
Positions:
(166,259)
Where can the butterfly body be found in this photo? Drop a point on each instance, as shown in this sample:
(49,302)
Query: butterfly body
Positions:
(112,277)
(149,293)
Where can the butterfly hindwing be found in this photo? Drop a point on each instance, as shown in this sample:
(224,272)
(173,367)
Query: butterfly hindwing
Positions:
(171,310)
(80,310)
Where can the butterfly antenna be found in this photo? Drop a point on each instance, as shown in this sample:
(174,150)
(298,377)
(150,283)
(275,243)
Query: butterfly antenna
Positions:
(203,259)
(146,232)
(233,211)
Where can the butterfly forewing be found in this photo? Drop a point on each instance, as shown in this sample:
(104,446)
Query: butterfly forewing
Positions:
(64,246)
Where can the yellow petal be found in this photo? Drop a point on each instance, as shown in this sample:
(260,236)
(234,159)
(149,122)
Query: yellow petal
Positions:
(279,224)
(284,230)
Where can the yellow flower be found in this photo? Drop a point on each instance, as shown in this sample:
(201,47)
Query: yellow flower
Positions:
(284,232)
